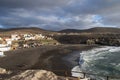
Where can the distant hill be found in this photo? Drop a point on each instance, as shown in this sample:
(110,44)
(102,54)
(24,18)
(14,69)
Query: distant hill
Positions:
(107,36)
(32,30)
(23,29)
(93,30)
(98,35)
(39,30)
(71,30)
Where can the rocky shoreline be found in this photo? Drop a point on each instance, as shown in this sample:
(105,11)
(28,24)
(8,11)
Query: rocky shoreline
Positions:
(42,58)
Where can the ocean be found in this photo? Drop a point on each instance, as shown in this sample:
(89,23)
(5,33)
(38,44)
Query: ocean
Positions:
(104,61)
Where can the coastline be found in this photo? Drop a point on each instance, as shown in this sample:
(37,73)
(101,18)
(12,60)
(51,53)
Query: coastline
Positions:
(45,57)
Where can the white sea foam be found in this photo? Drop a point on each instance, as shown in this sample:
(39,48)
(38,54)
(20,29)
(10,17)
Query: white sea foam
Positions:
(97,53)
(114,49)
(75,70)
(91,56)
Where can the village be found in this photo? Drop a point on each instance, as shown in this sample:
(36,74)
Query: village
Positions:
(18,41)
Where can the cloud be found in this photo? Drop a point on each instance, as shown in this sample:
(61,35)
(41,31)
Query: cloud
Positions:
(59,14)
(32,3)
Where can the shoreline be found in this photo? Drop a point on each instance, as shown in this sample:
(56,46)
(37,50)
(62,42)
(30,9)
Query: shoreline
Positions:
(45,57)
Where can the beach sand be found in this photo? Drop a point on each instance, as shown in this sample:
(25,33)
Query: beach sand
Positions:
(57,59)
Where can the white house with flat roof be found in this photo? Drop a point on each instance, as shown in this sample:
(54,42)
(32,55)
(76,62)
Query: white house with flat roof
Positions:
(8,41)
(29,37)
(6,48)
(39,36)
(15,37)
(3,48)
(6,45)
(1,54)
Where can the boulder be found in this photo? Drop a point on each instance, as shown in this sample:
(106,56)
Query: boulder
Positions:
(3,71)
(35,75)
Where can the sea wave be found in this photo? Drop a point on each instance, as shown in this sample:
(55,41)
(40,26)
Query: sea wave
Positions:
(101,61)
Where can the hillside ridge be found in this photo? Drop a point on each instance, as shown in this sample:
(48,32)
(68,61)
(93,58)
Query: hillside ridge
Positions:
(92,30)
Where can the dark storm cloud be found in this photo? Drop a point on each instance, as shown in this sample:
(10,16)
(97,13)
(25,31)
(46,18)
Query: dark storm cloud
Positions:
(31,3)
(59,14)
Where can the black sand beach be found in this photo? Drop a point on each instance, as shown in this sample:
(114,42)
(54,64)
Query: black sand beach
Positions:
(57,59)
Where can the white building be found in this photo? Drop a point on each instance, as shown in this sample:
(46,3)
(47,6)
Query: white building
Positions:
(3,45)
(8,41)
(6,48)
(25,45)
(15,37)
(29,37)
(39,36)
(1,54)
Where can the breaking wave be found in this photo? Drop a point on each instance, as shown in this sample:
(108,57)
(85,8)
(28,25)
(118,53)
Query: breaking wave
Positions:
(101,61)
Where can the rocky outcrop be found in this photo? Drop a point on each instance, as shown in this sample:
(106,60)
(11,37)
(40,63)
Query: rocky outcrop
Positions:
(3,71)
(35,75)
(110,39)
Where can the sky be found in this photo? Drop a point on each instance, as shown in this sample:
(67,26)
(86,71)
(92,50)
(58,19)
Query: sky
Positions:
(59,14)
